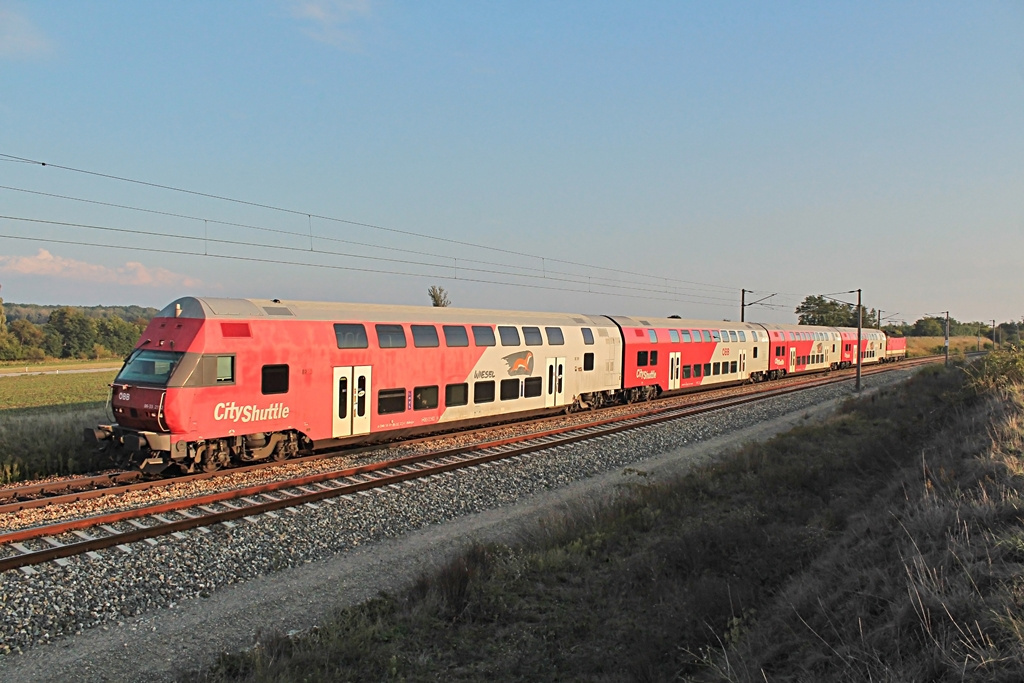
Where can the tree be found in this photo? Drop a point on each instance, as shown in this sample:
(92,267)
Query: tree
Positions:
(929,327)
(28,333)
(71,332)
(818,310)
(438,297)
(116,335)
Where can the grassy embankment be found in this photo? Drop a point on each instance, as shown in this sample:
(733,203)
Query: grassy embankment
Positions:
(41,421)
(884,544)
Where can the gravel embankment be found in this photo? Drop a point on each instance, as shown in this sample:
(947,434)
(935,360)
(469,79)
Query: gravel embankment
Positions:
(160,608)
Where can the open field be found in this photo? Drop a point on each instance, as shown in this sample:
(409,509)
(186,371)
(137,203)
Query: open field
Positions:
(41,423)
(884,544)
(926,346)
(40,391)
(9,366)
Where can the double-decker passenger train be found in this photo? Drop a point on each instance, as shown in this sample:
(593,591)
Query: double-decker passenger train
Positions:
(218,381)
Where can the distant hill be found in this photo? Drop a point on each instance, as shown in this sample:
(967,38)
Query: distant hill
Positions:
(38,314)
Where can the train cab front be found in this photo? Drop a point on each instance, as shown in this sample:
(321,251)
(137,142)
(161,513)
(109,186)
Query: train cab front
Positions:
(140,436)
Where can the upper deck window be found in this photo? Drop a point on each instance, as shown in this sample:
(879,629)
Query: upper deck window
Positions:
(588,335)
(391,336)
(455,335)
(424,336)
(531,335)
(509,335)
(483,335)
(351,335)
(555,337)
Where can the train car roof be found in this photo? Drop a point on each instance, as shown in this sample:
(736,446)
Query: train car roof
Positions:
(278,309)
(680,323)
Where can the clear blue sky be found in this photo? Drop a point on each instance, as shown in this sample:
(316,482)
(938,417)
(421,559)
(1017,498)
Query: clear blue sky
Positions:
(692,148)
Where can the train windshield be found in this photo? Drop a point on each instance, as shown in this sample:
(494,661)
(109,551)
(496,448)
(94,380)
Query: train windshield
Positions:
(148,367)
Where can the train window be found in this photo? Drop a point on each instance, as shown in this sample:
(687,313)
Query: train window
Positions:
(732,336)
(588,335)
(716,335)
(275,379)
(483,335)
(555,337)
(456,395)
(833,348)
(390,336)
(706,335)
(531,335)
(455,335)
(424,398)
(686,336)
(686,372)
(696,370)
(509,335)
(707,369)
(743,336)
(755,352)
(390,401)
(733,366)
(483,392)
(350,335)
(533,387)
(342,397)
(424,336)
(653,336)
(510,389)
(225,369)
(716,369)
(753,335)
(588,362)
(654,357)
(641,359)
(725,336)
(673,336)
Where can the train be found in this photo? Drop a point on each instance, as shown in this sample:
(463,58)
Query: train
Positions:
(214,382)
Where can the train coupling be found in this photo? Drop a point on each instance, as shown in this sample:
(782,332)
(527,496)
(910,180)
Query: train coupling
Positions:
(96,436)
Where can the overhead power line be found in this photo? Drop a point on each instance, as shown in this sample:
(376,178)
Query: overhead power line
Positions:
(372,226)
(580,280)
(542,271)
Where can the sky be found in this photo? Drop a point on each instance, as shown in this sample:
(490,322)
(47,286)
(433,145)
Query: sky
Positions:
(651,158)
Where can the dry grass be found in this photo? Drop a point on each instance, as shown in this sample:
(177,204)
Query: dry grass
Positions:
(927,346)
(884,545)
(40,443)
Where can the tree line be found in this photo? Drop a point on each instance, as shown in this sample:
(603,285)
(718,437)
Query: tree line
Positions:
(821,310)
(29,332)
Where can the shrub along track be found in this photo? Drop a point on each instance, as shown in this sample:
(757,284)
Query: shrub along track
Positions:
(68,538)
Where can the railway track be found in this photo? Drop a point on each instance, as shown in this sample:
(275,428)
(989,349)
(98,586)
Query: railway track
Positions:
(58,541)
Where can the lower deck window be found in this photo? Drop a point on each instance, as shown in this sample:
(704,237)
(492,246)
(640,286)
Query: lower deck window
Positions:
(275,379)
(707,369)
(686,372)
(588,362)
(716,369)
(733,366)
(483,392)
(456,395)
(509,389)
(533,387)
(390,401)
(696,370)
(424,398)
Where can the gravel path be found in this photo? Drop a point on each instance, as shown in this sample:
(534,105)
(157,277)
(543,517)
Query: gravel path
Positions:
(174,605)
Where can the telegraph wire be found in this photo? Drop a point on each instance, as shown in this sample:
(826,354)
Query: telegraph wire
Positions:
(253,259)
(319,237)
(337,220)
(347,255)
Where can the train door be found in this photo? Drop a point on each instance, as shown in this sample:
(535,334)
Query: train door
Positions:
(555,395)
(792,359)
(743,364)
(351,401)
(674,361)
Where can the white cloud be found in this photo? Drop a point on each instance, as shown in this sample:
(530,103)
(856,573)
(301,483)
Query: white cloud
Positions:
(331,20)
(19,38)
(131,273)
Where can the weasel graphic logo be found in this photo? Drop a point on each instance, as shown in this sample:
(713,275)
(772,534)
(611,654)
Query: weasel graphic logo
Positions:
(519,363)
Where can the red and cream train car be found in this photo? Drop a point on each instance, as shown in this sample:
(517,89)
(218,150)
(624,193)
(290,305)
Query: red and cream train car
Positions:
(215,380)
